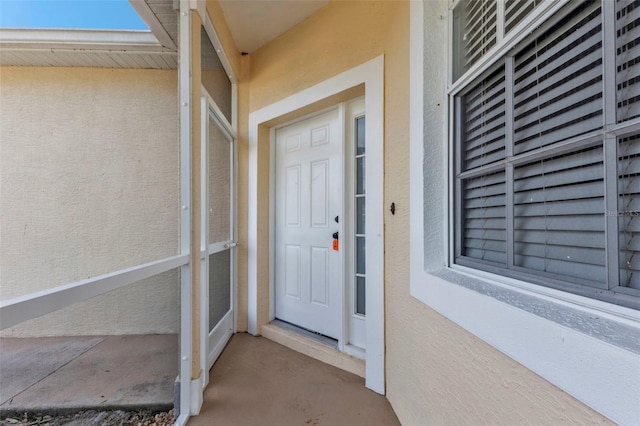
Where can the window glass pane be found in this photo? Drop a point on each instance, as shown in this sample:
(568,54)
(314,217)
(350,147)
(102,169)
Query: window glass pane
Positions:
(360,215)
(628,59)
(483,122)
(219,184)
(629,210)
(360,178)
(483,218)
(219,286)
(558,215)
(516,11)
(474,32)
(360,255)
(360,295)
(558,81)
(360,140)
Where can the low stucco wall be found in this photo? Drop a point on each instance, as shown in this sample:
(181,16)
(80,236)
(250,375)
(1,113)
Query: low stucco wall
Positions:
(436,372)
(89,168)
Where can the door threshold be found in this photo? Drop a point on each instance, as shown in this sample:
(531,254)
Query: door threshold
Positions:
(310,346)
(325,340)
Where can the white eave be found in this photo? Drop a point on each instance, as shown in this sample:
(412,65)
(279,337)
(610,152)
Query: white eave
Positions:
(83,39)
(84,48)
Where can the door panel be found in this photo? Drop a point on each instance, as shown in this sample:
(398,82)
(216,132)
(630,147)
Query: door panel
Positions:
(308,197)
(320,276)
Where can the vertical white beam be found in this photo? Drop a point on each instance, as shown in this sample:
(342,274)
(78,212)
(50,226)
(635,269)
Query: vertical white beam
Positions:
(184,77)
(204,236)
(374,226)
(252,234)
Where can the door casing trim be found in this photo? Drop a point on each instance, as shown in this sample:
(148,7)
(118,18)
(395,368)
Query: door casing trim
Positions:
(371,75)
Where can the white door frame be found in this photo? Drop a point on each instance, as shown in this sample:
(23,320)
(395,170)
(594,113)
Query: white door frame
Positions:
(209,110)
(371,74)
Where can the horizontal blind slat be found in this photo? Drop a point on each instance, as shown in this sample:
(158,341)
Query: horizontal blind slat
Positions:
(486,255)
(489,234)
(567,177)
(569,124)
(571,31)
(578,192)
(590,273)
(576,72)
(492,140)
(485,212)
(571,238)
(593,256)
(557,101)
(575,207)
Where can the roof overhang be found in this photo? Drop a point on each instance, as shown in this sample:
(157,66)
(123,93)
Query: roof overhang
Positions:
(84,48)
(79,39)
(155,49)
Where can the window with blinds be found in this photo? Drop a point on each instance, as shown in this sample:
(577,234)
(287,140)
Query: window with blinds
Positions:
(540,137)
(516,10)
(474,23)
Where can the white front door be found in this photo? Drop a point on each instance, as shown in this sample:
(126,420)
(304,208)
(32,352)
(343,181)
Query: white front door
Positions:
(309,181)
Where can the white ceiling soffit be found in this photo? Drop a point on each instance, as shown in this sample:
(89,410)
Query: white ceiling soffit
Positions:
(84,48)
(254,23)
(162,19)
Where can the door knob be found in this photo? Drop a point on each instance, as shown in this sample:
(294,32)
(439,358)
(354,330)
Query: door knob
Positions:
(335,235)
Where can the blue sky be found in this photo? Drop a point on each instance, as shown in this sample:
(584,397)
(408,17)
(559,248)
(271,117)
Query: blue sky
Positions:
(82,14)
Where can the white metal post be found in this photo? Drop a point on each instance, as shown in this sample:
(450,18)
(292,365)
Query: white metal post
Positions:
(185,214)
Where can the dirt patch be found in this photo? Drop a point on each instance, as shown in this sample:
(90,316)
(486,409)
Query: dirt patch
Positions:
(92,417)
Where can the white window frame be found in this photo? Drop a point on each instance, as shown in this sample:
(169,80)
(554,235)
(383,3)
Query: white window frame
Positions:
(556,341)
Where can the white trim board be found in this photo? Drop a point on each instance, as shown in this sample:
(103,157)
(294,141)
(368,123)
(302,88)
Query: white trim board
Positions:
(187,393)
(33,305)
(370,73)
(25,39)
(600,373)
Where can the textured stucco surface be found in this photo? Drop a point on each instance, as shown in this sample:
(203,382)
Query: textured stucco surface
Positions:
(436,372)
(89,165)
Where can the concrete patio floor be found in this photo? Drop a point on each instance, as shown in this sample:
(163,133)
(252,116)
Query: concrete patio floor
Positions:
(62,374)
(254,382)
(259,382)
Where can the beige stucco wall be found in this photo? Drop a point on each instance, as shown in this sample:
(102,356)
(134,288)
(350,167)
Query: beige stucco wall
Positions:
(436,372)
(89,165)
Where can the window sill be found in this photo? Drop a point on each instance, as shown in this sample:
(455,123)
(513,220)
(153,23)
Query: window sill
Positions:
(589,349)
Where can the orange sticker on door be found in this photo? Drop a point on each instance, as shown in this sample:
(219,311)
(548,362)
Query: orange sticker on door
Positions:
(336,245)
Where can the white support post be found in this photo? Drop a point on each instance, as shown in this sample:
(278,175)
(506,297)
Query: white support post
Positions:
(185,211)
